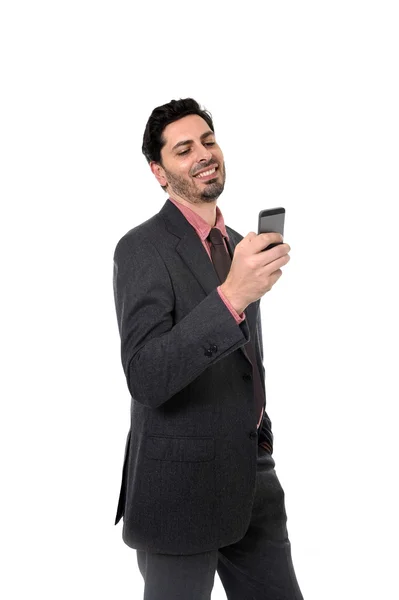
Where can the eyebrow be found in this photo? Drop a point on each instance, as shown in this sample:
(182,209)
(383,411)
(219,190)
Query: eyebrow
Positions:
(184,142)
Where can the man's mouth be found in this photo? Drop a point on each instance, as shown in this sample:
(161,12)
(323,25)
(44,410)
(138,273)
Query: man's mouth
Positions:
(208,174)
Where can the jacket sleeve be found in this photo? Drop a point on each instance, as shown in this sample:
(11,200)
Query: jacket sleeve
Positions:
(160,358)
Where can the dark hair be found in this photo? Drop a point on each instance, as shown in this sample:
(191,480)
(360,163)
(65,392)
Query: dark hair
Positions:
(153,139)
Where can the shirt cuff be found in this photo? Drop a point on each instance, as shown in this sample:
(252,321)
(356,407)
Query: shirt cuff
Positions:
(238,318)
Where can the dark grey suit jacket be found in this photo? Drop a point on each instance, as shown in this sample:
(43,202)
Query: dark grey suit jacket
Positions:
(189,470)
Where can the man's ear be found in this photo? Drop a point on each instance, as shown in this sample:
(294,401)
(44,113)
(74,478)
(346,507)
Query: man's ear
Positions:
(159,172)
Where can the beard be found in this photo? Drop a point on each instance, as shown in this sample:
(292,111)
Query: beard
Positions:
(190,191)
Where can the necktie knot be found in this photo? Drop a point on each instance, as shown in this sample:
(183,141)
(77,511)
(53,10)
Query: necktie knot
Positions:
(215,236)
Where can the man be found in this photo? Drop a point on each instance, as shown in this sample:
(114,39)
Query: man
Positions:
(199,490)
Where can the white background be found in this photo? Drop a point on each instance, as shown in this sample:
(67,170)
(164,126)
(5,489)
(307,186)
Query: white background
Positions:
(304,97)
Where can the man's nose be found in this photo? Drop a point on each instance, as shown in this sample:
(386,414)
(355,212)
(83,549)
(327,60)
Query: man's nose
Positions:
(203,154)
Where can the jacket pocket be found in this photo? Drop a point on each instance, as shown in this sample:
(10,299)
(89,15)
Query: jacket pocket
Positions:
(178,492)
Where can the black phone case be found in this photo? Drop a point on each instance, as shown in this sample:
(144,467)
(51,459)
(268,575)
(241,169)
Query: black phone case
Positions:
(271,211)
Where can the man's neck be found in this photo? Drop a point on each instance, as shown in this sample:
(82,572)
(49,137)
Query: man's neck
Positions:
(206,210)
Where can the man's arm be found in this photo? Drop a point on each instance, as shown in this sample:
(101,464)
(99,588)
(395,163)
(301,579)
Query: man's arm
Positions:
(159,358)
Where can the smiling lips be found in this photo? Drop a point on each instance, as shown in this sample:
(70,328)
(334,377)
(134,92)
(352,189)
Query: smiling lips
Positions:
(206,174)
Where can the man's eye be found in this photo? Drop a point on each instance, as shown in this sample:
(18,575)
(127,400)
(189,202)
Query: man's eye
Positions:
(206,144)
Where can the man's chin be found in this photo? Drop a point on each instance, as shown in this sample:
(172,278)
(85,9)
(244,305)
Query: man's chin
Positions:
(212,191)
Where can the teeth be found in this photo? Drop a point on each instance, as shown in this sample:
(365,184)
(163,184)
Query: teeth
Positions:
(206,173)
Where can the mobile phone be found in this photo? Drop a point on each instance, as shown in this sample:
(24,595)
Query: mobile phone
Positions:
(271,219)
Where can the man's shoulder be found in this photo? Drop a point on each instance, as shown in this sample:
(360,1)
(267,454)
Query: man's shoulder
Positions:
(145,232)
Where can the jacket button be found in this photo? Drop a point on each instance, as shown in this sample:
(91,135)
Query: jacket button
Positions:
(247,377)
(214,348)
(208,352)
(253,435)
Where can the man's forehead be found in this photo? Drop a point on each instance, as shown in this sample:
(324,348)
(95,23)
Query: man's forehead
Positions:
(186,128)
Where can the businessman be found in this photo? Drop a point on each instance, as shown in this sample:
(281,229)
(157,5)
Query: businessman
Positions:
(199,491)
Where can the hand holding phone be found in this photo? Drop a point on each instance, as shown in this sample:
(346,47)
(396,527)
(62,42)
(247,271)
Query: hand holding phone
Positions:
(253,273)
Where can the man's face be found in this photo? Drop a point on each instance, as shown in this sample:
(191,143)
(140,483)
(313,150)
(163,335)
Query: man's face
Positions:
(191,148)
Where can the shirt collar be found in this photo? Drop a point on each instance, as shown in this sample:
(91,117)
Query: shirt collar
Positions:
(200,225)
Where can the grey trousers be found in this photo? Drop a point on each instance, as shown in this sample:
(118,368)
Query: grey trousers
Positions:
(257,567)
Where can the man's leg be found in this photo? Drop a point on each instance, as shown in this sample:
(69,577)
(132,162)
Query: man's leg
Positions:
(177,577)
(259,566)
